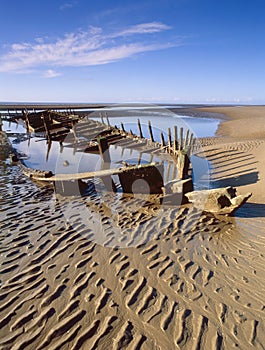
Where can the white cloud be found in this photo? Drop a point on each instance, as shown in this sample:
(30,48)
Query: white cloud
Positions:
(144,28)
(50,73)
(84,48)
(68,5)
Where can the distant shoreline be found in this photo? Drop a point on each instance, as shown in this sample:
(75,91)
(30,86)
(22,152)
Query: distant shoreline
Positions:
(45,105)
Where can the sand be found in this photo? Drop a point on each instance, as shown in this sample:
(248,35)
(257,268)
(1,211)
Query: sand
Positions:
(183,279)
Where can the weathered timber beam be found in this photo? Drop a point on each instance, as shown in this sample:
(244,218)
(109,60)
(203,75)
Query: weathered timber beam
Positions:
(87,175)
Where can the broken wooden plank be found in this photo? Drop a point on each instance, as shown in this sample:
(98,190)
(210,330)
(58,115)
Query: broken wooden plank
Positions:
(78,176)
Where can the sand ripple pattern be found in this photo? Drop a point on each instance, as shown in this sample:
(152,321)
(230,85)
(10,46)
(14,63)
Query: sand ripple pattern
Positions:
(198,283)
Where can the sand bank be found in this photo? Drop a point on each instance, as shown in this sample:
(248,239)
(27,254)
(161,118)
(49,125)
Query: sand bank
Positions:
(238,151)
(187,280)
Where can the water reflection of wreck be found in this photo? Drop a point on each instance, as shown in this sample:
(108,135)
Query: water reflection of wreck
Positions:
(168,159)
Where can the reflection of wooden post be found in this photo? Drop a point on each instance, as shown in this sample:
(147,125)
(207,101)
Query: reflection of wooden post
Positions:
(108,120)
(140,129)
(46,127)
(104,152)
(104,149)
(174,171)
(48,149)
(168,171)
(140,158)
(73,129)
(151,131)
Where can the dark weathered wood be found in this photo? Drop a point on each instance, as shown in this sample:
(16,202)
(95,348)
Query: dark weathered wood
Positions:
(47,130)
(140,129)
(183,164)
(122,127)
(175,138)
(181,139)
(107,118)
(163,143)
(151,131)
(169,139)
(147,179)
(186,142)
(48,176)
(190,145)
(104,149)
(27,121)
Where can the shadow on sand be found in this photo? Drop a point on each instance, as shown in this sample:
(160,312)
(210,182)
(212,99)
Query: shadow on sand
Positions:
(251,210)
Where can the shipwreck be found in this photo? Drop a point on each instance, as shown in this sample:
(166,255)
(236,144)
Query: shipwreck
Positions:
(90,136)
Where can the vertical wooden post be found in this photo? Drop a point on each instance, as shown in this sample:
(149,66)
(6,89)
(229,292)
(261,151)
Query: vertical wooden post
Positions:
(183,163)
(175,138)
(122,127)
(186,140)
(190,145)
(101,118)
(140,128)
(151,131)
(163,143)
(181,139)
(169,140)
(107,119)
(0,122)
(49,117)
(27,121)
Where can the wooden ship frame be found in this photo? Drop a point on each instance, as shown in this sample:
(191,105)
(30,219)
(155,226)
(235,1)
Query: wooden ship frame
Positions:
(90,136)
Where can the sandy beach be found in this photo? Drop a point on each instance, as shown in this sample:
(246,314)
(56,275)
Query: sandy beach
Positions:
(192,280)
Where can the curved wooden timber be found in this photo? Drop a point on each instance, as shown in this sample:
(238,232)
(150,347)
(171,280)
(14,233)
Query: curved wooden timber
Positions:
(43,176)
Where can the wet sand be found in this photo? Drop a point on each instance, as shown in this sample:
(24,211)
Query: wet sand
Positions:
(182,279)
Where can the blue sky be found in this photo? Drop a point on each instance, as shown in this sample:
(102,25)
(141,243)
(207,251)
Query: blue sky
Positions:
(168,51)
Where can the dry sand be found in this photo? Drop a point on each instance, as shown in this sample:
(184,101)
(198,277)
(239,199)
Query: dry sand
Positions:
(191,281)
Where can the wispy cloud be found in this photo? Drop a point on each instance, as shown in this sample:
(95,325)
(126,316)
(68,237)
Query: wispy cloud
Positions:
(50,73)
(144,28)
(68,5)
(85,48)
